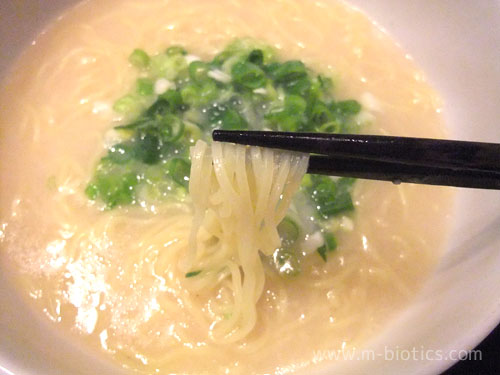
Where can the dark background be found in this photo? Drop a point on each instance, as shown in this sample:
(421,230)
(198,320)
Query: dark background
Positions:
(490,363)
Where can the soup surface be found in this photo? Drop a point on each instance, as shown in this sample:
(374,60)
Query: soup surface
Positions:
(110,278)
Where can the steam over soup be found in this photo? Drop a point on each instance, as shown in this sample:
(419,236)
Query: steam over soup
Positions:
(227,261)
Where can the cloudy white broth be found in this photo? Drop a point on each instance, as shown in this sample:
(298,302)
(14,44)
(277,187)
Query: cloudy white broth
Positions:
(111,274)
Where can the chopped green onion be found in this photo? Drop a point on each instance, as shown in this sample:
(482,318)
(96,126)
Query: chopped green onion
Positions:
(257,91)
(159,108)
(139,58)
(197,95)
(322,195)
(256,57)
(320,113)
(126,105)
(190,93)
(114,184)
(329,245)
(295,105)
(91,191)
(286,262)
(248,75)
(179,169)
(330,197)
(208,92)
(177,129)
(284,121)
(121,153)
(288,231)
(198,71)
(170,67)
(146,148)
(307,181)
(231,120)
(289,71)
(193,273)
(330,127)
(191,133)
(141,123)
(343,200)
(348,107)
(171,128)
(300,86)
(221,58)
(175,50)
(145,86)
(326,83)
(289,124)
(174,99)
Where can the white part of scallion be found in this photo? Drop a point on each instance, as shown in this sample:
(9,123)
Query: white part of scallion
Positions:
(191,58)
(260,90)
(162,85)
(219,75)
(311,242)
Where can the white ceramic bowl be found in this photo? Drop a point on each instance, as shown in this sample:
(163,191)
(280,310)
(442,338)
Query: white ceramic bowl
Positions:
(457,45)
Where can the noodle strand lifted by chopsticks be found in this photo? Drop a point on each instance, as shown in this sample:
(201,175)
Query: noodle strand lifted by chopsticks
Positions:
(240,194)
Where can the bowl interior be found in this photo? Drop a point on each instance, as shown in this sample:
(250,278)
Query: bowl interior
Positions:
(457,47)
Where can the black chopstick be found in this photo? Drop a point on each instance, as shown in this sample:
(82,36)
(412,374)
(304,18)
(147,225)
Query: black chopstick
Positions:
(400,172)
(397,159)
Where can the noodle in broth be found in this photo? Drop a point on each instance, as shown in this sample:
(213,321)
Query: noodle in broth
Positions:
(115,280)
